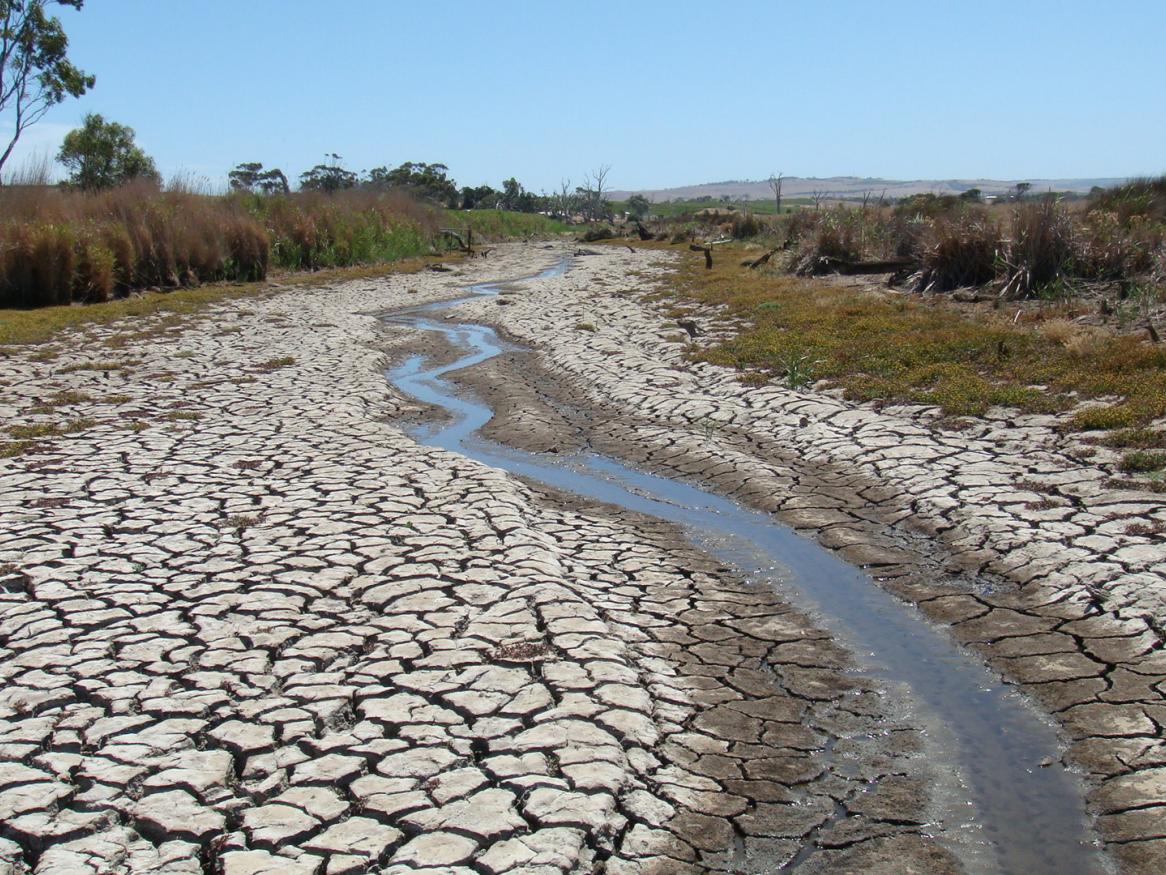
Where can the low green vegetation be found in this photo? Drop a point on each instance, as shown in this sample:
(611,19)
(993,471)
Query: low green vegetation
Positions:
(276,363)
(499,224)
(894,347)
(676,209)
(1142,462)
(49,429)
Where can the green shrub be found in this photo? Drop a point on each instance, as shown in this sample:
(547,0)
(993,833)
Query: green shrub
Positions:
(1142,462)
(1102,418)
(745,226)
(600,232)
(1135,438)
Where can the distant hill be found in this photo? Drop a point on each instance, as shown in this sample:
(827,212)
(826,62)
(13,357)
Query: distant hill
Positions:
(836,187)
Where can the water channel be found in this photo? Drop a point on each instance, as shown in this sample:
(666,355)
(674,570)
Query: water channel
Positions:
(1009,807)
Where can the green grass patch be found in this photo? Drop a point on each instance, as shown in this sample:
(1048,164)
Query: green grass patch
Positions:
(500,224)
(879,346)
(1133,438)
(276,363)
(1142,462)
(50,429)
(12,449)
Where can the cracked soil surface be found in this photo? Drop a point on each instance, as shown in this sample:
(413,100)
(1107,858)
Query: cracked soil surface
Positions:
(248,625)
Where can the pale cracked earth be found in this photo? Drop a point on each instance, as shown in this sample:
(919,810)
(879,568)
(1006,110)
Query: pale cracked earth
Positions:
(248,625)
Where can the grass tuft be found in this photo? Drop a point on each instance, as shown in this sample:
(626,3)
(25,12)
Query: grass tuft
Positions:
(1142,462)
(276,363)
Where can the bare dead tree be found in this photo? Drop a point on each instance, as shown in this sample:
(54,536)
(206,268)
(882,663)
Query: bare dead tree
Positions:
(593,188)
(818,195)
(775,184)
(564,199)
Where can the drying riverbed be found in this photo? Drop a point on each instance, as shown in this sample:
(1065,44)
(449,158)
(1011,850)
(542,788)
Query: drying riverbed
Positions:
(252,621)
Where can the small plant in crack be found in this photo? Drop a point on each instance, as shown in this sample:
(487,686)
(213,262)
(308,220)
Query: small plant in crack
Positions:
(797,370)
(521,650)
(240,522)
(1157,527)
(1043,504)
(1142,462)
(276,363)
(1028,485)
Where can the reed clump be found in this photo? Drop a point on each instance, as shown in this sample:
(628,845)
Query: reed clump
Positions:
(60,246)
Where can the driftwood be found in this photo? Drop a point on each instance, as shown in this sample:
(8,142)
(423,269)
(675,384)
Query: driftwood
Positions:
(708,253)
(465,246)
(831,264)
(630,249)
(439,268)
(757,262)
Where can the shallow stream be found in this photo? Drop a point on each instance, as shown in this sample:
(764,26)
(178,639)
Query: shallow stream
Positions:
(1009,807)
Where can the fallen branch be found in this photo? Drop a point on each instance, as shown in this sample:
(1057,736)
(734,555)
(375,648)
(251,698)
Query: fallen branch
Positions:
(707,249)
(764,259)
(450,232)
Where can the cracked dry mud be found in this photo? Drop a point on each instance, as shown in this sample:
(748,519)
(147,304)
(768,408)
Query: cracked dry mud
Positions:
(248,625)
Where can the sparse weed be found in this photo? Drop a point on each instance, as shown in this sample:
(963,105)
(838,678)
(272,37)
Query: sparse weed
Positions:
(797,370)
(276,363)
(50,429)
(1142,462)
(11,449)
(93,366)
(240,522)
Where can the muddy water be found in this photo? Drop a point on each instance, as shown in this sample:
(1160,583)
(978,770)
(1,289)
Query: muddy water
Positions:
(1009,807)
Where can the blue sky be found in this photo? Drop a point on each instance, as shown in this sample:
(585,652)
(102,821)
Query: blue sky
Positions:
(667,93)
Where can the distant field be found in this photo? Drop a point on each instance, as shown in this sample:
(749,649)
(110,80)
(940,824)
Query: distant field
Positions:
(763,208)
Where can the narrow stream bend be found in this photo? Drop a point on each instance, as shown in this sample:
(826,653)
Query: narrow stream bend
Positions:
(1026,816)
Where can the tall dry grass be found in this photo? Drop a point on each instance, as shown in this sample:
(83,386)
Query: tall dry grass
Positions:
(1022,249)
(59,246)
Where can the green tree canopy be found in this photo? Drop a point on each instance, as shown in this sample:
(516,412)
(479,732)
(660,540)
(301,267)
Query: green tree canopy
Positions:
(35,73)
(328,178)
(102,154)
(251,177)
(426,181)
(638,206)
